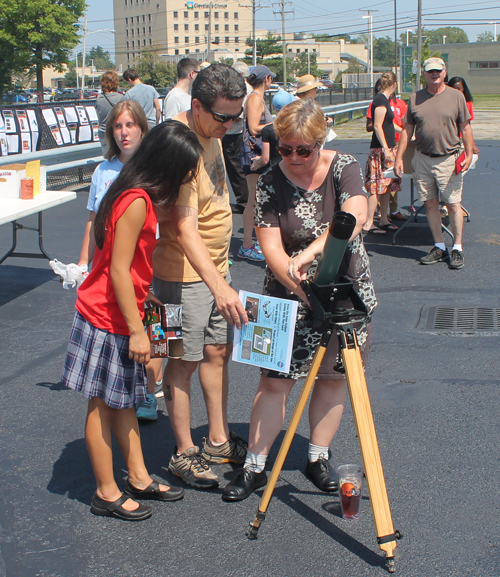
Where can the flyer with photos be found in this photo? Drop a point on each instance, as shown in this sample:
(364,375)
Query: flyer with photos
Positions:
(266,341)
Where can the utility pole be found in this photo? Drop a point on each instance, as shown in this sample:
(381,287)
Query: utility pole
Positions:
(282,11)
(419,43)
(83,54)
(370,34)
(254,8)
(395,40)
(209,30)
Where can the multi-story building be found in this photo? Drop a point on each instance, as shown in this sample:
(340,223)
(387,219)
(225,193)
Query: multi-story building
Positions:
(176,28)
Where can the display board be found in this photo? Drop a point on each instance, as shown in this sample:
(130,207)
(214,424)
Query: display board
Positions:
(20,129)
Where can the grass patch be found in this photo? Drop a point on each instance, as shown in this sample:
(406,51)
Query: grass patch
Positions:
(491,101)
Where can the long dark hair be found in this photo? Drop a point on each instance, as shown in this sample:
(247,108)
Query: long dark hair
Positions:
(467,94)
(168,157)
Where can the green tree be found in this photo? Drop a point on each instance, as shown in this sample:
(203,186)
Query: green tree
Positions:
(36,34)
(453,35)
(301,65)
(72,79)
(383,52)
(426,52)
(265,47)
(486,36)
(101,58)
(152,70)
(332,37)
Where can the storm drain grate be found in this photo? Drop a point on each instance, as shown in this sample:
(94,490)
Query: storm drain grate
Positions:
(463,319)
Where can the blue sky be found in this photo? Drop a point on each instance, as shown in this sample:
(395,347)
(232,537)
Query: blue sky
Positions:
(316,16)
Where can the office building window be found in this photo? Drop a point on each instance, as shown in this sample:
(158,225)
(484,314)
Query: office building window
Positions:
(196,14)
(483,65)
(133,55)
(226,15)
(314,49)
(186,14)
(133,44)
(144,30)
(196,39)
(144,18)
(149,17)
(149,29)
(216,14)
(126,32)
(197,51)
(227,40)
(236,28)
(176,14)
(138,31)
(186,27)
(176,27)
(132,30)
(128,56)
(226,27)
(176,52)
(196,26)
(298,50)
(176,39)
(144,41)
(206,14)
(126,21)
(127,44)
(125,2)
(236,40)
(216,27)
(186,39)
(216,40)
(150,41)
(236,15)
(186,51)
(206,26)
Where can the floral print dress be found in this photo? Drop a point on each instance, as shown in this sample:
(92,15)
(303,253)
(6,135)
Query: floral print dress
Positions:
(303,216)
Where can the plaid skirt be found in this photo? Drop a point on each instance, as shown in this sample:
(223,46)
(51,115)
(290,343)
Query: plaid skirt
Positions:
(375,183)
(97,364)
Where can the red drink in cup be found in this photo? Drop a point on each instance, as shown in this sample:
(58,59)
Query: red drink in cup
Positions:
(350,481)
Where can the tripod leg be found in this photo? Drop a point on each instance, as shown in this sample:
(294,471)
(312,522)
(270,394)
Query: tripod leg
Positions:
(290,432)
(360,401)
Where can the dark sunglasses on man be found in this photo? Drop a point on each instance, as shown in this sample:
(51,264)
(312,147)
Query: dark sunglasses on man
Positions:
(223,117)
(301,151)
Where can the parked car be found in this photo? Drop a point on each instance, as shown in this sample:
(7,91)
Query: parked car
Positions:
(16,96)
(90,94)
(68,94)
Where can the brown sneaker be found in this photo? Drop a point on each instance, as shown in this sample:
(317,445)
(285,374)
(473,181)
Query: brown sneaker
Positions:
(232,451)
(193,469)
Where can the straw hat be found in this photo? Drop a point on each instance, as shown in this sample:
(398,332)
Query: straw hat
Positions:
(306,83)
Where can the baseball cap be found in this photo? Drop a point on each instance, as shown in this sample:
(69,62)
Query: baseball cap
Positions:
(282,98)
(433,64)
(262,71)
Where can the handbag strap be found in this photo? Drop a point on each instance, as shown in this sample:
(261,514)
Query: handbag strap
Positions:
(109,101)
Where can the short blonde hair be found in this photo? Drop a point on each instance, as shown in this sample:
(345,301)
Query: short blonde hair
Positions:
(302,118)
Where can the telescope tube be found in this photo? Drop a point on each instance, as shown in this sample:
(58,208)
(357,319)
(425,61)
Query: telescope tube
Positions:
(341,229)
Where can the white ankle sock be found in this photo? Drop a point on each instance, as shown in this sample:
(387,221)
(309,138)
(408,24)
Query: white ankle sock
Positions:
(256,463)
(315,452)
(457,247)
(440,245)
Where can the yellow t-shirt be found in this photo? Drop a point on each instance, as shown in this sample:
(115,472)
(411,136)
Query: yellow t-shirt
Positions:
(209,195)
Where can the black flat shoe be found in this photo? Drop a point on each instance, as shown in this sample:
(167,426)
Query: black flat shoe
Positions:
(243,485)
(153,493)
(321,475)
(114,509)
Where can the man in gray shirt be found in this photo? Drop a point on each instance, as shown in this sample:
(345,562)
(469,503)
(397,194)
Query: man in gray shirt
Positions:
(438,115)
(145,95)
(179,98)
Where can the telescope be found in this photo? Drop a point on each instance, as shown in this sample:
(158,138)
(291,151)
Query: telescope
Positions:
(341,228)
(324,296)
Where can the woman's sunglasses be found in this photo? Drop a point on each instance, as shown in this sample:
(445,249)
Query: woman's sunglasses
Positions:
(301,151)
(223,117)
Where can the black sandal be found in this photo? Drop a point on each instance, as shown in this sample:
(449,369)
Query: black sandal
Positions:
(153,492)
(114,509)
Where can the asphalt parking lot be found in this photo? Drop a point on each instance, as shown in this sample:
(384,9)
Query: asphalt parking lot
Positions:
(435,398)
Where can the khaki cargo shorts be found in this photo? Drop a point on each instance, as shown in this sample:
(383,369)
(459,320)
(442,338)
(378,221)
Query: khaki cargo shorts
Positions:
(436,178)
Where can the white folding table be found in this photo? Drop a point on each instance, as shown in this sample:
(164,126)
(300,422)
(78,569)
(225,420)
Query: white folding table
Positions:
(13,209)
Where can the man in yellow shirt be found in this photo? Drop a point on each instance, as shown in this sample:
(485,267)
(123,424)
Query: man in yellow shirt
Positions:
(191,268)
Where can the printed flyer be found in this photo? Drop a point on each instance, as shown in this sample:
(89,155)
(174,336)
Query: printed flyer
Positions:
(267,339)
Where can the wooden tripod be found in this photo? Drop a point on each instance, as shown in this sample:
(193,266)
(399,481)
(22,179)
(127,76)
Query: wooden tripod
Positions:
(340,320)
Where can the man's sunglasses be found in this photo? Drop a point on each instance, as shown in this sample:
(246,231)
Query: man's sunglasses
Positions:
(301,151)
(223,117)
